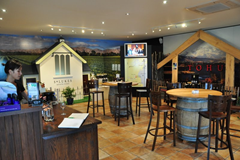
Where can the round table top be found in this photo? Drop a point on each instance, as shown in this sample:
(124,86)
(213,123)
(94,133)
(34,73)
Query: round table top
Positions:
(116,83)
(187,93)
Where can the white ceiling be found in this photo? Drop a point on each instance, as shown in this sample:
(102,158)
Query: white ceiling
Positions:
(29,17)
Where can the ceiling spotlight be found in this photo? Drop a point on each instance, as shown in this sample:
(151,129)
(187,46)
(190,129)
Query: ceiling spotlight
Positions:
(159,30)
(168,28)
(59,29)
(41,30)
(83,31)
(52,29)
(4,10)
(146,33)
(199,22)
(1,18)
(132,34)
(72,30)
(164,2)
(184,25)
(152,30)
(102,22)
(127,14)
(101,32)
(92,32)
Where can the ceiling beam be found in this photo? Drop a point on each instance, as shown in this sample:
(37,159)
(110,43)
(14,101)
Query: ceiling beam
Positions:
(180,49)
(216,42)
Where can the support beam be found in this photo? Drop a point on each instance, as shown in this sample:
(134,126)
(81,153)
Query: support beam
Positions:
(175,71)
(180,49)
(229,70)
(220,44)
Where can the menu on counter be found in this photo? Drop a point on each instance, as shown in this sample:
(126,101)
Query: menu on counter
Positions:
(75,120)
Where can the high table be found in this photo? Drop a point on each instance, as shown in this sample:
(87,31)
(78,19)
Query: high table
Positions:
(114,90)
(188,106)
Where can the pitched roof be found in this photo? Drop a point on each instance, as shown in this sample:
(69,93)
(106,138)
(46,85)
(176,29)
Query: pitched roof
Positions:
(207,38)
(55,47)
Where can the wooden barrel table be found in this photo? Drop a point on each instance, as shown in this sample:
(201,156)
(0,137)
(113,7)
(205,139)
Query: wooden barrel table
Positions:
(188,106)
(114,90)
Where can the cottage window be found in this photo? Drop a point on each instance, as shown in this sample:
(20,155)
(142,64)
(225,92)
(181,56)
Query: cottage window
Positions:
(116,67)
(62,64)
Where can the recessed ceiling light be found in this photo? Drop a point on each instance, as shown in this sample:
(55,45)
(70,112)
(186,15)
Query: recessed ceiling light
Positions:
(152,30)
(1,18)
(164,2)
(127,14)
(72,30)
(132,34)
(184,25)
(4,10)
(146,33)
(83,31)
(59,29)
(92,32)
(52,29)
(168,28)
(101,32)
(159,30)
(103,22)
(199,22)
(41,30)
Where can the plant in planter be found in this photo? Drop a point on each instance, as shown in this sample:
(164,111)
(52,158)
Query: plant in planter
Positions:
(68,93)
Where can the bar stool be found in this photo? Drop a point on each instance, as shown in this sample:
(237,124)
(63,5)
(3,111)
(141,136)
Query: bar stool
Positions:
(155,99)
(218,110)
(124,91)
(138,96)
(93,84)
(233,109)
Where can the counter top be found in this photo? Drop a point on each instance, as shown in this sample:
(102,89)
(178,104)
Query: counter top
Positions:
(51,128)
(116,83)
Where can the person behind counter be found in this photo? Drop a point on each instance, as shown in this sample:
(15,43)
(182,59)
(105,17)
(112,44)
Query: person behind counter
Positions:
(13,69)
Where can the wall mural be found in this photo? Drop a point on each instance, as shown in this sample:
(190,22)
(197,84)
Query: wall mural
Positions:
(27,48)
(204,60)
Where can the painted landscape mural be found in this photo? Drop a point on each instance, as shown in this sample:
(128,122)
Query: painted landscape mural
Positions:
(28,48)
(206,61)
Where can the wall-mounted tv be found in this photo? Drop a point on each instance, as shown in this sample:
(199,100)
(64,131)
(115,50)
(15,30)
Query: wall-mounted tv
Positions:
(135,49)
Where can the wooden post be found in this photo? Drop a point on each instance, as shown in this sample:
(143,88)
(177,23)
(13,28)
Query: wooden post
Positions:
(229,70)
(175,69)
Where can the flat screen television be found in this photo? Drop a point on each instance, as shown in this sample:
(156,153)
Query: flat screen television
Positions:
(135,49)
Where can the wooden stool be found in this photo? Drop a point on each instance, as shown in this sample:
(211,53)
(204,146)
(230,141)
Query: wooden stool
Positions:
(138,96)
(124,91)
(155,99)
(233,108)
(93,84)
(218,110)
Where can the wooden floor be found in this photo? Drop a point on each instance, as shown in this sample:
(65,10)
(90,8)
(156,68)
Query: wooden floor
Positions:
(125,142)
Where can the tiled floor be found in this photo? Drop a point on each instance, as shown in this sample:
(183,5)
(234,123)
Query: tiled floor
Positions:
(125,142)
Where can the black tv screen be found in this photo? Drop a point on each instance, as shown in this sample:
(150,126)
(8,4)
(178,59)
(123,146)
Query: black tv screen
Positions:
(135,49)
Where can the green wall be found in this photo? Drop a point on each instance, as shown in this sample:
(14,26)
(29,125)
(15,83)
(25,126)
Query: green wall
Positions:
(103,64)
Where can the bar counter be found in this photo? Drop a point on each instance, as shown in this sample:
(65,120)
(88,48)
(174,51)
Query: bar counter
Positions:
(26,136)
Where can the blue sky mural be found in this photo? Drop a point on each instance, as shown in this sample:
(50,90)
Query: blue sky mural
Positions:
(17,42)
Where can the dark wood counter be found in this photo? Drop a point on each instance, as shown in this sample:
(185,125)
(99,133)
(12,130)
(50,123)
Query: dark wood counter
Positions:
(21,134)
(79,143)
(25,136)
